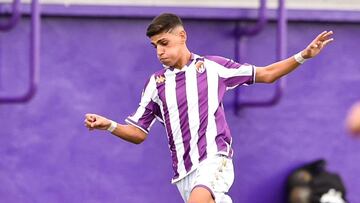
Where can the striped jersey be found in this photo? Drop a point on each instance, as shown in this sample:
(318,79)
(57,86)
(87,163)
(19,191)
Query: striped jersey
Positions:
(188,102)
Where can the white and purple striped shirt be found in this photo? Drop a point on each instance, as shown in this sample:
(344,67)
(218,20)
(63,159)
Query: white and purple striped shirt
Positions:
(188,102)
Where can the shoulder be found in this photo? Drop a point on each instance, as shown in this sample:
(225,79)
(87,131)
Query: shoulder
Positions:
(159,73)
(151,80)
(223,61)
(156,79)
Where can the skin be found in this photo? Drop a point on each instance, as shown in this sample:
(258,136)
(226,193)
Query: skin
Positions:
(353,120)
(171,50)
(200,195)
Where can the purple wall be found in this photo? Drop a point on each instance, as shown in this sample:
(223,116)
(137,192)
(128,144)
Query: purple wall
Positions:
(100,65)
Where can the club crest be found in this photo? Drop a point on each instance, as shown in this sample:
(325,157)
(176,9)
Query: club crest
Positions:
(199,65)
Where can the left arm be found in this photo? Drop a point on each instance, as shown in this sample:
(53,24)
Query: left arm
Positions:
(272,72)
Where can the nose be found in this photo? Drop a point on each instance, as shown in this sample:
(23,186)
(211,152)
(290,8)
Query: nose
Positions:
(159,51)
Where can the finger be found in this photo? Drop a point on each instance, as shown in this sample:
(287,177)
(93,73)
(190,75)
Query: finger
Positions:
(88,119)
(88,127)
(317,44)
(327,35)
(88,115)
(328,41)
(95,124)
(88,123)
(91,119)
(318,38)
(320,35)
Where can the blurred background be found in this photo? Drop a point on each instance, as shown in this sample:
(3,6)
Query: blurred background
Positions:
(60,59)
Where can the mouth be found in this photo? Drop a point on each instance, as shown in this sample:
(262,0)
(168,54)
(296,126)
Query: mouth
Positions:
(163,59)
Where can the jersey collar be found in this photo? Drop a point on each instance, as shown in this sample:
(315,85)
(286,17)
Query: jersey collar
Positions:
(175,70)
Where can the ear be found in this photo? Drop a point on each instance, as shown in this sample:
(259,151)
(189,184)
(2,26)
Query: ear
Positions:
(183,36)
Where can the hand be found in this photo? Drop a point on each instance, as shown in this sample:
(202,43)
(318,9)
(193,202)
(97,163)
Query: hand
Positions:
(93,121)
(317,45)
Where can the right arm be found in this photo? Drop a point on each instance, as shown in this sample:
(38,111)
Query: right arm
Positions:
(139,123)
(128,133)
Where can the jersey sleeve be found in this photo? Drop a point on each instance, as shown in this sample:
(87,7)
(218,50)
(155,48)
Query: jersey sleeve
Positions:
(232,73)
(148,110)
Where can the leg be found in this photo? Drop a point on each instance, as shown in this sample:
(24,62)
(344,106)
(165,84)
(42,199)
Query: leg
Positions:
(201,195)
(213,180)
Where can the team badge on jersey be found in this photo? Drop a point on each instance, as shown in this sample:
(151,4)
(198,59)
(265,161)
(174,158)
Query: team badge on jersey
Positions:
(160,79)
(199,65)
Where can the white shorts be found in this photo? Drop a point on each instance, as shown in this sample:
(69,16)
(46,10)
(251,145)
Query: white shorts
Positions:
(215,174)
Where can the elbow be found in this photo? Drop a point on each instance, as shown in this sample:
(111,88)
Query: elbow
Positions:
(266,75)
(269,79)
(140,138)
(138,141)
(135,135)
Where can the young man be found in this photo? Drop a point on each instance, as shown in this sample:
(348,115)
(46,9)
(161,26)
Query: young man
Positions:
(186,96)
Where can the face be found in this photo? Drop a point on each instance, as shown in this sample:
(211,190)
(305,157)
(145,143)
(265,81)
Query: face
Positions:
(169,46)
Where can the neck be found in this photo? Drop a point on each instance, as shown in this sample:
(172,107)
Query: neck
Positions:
(184,59)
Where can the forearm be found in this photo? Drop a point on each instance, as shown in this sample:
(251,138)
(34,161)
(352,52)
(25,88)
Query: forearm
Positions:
(273,72)
(129,133)
(281,68)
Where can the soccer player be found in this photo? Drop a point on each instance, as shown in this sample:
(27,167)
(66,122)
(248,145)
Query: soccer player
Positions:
(186,97)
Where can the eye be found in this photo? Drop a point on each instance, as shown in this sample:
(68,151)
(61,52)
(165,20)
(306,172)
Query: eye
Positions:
(164,43)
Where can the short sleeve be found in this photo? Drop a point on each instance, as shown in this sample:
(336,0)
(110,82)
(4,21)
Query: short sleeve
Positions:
(232,73)
(148,110)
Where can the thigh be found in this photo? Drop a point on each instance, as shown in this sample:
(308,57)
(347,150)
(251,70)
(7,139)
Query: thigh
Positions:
(216,175)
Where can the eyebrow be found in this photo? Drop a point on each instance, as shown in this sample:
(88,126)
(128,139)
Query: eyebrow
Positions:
(162,39)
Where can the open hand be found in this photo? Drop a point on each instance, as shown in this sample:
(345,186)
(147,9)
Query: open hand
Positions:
(317,44)
(94,121)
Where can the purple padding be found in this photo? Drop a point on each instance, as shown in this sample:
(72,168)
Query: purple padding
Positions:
(99,65)
(141,12)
